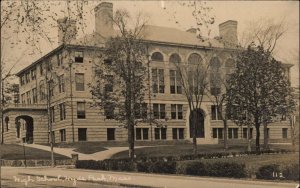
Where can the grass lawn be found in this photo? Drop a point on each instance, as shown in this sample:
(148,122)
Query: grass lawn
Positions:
(93,147)
(16,152)
(89,149)
(187,149)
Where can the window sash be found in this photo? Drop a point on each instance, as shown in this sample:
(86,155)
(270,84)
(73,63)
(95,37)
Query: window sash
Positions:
(81,110)
(79,80)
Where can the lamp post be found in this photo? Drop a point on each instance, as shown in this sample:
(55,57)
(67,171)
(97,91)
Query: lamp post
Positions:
(71,97)
(149,95)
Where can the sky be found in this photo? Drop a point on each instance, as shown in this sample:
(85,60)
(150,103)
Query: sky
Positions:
(173,14)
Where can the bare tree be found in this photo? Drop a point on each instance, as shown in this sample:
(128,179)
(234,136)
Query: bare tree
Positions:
(193,77)
(264,33)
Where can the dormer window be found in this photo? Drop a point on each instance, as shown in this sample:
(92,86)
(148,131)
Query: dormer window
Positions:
(78,57)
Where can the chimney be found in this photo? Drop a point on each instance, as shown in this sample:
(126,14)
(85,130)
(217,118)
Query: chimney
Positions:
(228,32)
(67,30)
(103,19)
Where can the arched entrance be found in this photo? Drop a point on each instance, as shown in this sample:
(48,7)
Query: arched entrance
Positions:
(197,118)
(28,128)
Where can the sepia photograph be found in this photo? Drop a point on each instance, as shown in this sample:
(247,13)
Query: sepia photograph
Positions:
(149,94)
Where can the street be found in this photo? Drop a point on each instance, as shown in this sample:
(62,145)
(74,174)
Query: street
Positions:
(62,177)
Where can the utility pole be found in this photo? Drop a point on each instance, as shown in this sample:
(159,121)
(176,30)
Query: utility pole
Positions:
(71,96)
(149,94)
(48,82)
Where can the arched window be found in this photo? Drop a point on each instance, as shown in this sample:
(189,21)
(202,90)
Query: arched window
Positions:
(215,76)
(215,64)
(157,56)
(175,58)
(194,59)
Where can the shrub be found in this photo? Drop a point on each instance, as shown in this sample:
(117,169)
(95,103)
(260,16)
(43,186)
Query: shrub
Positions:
(217,169)
(195,168)
(165,167)
(227,169)
(291,172)
(268,172)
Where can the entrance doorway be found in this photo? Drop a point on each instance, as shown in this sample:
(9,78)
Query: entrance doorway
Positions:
(197,119)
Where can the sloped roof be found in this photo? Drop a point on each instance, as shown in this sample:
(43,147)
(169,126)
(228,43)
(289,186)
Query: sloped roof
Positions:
(176,36)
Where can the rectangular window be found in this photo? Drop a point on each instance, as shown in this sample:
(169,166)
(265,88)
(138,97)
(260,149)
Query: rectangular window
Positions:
(61,83)
(22,80)
(81,110)
(178,133)
(59,59)
(42,92)
(145,133)
(41,69)
(176,111)
(52,114)
(157,133)
(141,133)
(62,111)
(175,86)
(140,111)
(232,133)
(245,133)
(108,87)
(173,111)
(268,132)
(28,96)
(218,133)
(160,133)
(109,111)
(111,133)
(174,133)
(235,132)
(284,132)
(158,83)
(33,74)
(23,98)
(82,134)
(78,57)
(27,77)
(62,135)
(155,111)
(215,115)
(159,111)
(51,88)
(79,80)
(138,134)
(34,96)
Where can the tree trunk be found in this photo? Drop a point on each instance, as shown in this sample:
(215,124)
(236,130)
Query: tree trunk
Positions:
(266,136)
(292,125)
(257,144)
(131,139)
(194,118)
(225,134)
(248,139)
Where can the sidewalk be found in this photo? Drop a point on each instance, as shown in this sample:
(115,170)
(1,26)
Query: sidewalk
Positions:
(106,154)
(144,180)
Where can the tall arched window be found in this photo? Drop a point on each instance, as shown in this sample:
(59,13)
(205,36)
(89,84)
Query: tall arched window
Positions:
(175,58)
(157,56)
(215,76)
(194,59)
(229,68)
